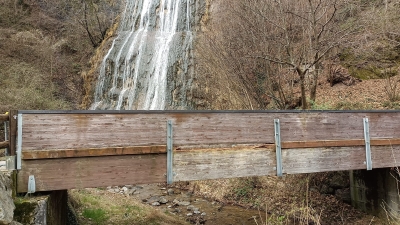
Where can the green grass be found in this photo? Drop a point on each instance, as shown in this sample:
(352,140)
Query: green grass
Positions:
(98,216)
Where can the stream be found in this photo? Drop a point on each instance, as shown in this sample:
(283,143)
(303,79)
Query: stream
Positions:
(193,208)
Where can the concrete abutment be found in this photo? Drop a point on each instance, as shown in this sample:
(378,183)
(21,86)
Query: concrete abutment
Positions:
(376,192)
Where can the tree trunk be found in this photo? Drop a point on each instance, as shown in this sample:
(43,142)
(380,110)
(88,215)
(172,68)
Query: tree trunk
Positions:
(302,75)
(313,90)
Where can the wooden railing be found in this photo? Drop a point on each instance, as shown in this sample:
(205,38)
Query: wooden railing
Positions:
(77,149)
(10,125)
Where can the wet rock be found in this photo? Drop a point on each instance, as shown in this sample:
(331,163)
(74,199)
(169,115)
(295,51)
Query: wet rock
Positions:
(7,204)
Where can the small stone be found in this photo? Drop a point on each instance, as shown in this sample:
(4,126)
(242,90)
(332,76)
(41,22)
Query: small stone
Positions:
(170,191)
(138,187)
(124,189)
(163,188)
(184,203)
(196,212)
(195,209)
(203,214)
(163,200)
(190,207)
(153,199)
(155,204)
(130,191)
(177,210)
(176,202)
(129,186)
(189,214)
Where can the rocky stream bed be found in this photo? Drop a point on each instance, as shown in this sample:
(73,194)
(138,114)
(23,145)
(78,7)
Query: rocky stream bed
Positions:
(183,203)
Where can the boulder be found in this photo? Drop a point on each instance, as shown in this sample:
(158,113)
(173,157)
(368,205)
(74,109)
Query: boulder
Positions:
(6,201)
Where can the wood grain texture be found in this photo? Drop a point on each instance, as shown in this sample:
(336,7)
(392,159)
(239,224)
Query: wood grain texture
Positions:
(385,156)
(310,160)
(70,173)
(91,152)
(339,143)
(72,131)
(13,131)
(4,144)
(223,163)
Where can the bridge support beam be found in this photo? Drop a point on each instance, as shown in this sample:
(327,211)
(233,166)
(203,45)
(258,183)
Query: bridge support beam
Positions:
(376,192)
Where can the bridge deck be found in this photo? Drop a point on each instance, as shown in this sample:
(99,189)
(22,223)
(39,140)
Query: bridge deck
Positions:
(78,149)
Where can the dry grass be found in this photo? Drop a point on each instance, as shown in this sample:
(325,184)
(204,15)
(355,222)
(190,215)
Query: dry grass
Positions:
(293,199)
(95,206)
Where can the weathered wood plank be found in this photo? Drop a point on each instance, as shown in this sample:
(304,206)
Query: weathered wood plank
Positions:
(13,131)
(339,143)
(385,156)
(4,144)
(70,173)
(72,131)
(90,152)
(223,163)
(310,160)
(3,117)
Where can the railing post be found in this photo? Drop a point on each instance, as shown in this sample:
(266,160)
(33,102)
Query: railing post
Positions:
(170,173)
(278,147)
(13,132)
(368,160)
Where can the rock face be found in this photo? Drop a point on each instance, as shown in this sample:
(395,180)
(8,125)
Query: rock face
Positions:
(6,201)
(150,62)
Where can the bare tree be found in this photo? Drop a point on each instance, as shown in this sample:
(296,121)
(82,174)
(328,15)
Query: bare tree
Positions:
(301,34)
(273,47)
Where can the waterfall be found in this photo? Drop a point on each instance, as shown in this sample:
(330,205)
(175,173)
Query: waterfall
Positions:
(150,58)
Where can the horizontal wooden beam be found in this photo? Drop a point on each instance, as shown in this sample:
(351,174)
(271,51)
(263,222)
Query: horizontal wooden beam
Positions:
(132,150)
(84,172)
(338,143)
(4,117)
(160,149)
(90,152)
(4,144)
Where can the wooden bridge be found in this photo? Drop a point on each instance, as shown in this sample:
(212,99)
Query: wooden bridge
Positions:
(78,149)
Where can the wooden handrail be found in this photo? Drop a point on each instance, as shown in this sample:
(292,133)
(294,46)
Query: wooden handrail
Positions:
(4,144)
(160,149)
(338,143)
(4,117)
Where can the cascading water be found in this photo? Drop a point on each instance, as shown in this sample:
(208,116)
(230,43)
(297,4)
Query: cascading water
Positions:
(150,59)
